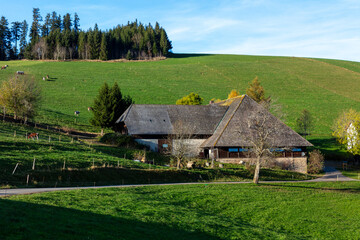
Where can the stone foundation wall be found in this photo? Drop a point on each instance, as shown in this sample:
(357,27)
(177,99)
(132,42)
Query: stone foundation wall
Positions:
(298,164)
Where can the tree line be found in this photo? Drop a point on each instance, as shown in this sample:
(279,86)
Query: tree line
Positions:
(60,37)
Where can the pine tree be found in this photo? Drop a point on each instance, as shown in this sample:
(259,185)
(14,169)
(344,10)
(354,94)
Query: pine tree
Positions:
(95,43)
(76,23)
(165,44)
(119,103)
(23,43)
(82,45)
(35,26)
(5,37)
(15,35)
(102,109)
(55,22)
(257,92)
(45,29)
(103,48)
(67,22)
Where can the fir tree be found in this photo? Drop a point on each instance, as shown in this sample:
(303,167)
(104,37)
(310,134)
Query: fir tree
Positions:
(45,29)
(35,26)
(23,43)
(5,37)
(103,48)
(120,104)
(67,22)
(76,23)
(102,109)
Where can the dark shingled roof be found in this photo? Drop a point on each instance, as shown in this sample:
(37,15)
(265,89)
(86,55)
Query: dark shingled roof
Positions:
(234,129)
(228,125)
(143,119)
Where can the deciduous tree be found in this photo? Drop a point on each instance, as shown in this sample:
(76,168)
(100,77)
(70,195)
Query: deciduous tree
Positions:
(257,92)
(191,99)
(304,123)
(347,130)
(21,96)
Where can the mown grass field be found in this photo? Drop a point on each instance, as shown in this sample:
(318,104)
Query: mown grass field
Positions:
(246,211)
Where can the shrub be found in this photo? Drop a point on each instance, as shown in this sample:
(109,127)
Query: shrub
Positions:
(118,140)
(315,161)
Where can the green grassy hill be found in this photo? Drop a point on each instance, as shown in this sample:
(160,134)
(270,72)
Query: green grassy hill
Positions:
(325,87)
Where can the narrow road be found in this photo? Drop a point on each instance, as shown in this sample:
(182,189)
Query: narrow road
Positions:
(331,175)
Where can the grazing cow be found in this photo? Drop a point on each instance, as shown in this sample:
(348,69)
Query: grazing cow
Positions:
(44,78)
(33,135)
(89,109)
(77,113)
(3,67)
(20,72)
(47,77)
(6,66)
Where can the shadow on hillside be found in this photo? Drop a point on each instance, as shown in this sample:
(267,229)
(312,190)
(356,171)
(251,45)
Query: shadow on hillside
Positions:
(311,186)
(330,148)
(188,55)
(21,220)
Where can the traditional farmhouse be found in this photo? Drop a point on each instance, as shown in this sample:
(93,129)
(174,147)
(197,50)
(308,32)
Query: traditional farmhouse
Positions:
(218,131)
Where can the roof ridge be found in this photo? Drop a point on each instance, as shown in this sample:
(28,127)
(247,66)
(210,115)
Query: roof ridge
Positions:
(233,113)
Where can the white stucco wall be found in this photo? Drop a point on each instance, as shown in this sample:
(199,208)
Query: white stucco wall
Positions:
(191,146)
(151,143)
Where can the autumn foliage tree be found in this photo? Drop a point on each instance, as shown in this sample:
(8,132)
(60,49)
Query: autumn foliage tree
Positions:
(191,99)
(233,94)
(257,92)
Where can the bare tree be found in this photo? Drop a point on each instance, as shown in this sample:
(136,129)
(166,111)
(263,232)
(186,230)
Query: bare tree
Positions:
(179,143)
(262,127)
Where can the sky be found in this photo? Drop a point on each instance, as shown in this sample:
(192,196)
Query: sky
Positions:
(301,28)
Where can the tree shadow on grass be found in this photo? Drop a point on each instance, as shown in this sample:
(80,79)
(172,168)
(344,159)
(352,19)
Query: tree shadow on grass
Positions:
(21,220)
(330,148)
(315,186)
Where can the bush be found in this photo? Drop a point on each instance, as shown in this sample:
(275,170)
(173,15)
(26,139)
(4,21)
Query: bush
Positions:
(315,161)
(118,140)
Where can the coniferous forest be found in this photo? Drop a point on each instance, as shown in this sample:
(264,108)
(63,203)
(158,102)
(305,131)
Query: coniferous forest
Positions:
(59,37)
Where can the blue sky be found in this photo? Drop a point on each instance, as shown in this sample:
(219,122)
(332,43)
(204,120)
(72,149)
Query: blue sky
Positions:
(317,28)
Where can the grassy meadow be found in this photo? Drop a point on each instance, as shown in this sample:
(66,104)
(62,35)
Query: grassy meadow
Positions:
(324,87)
(245,211)
(61,160)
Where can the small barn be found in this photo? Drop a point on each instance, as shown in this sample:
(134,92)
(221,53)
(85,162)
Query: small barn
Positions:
(218,131)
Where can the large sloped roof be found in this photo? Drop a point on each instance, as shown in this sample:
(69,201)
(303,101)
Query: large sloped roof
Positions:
(144,119)
(235,128)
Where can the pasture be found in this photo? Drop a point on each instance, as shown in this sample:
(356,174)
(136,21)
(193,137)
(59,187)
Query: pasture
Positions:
(245,211)
(62,160)
(324,87)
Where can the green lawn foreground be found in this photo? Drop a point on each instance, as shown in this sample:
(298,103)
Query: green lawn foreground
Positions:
(207,211)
